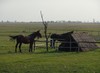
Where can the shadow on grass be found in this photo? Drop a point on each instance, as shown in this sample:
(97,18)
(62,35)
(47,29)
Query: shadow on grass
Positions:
(26,52)
(39,51)
(53,51)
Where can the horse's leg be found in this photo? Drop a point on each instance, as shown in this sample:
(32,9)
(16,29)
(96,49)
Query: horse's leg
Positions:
(16,47)
(31,47)
(34,45)
(20,47)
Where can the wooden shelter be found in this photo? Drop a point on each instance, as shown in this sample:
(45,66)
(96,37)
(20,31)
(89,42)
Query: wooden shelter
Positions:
(79,41)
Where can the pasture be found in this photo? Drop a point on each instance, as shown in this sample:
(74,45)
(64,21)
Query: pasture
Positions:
(41,61)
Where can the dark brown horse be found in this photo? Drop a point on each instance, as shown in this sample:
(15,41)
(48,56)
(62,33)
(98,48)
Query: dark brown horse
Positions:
(60,37)
(30,39)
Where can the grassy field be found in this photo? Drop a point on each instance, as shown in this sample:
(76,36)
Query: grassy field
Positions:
(41,61)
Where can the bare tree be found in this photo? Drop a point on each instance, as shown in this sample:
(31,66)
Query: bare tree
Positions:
(45,29)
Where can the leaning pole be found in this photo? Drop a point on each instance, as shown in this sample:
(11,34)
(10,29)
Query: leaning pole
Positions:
(45,29)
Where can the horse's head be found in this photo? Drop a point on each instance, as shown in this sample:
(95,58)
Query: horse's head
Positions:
(55,36)
(38,34)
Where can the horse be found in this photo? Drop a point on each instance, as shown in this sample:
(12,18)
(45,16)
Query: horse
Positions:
(59,37)
(30,39)
(65,40)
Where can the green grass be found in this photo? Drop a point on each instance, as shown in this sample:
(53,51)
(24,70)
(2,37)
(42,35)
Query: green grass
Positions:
(52,62)
(41,61)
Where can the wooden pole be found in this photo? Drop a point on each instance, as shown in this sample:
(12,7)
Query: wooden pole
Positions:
(45,29)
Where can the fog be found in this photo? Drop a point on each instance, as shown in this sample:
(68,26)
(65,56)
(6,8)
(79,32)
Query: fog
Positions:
(53,10)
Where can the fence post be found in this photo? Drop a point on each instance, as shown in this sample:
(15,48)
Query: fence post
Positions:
(47,43)
(56,45)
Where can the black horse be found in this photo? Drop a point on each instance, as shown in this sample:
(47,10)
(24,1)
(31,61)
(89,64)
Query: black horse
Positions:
(64,39)
(30,39)
(60,37)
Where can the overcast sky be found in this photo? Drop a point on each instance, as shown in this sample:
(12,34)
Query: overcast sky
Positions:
(29,10)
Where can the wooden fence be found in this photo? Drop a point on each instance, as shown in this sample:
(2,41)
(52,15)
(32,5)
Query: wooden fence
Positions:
(41,44)
(94,34)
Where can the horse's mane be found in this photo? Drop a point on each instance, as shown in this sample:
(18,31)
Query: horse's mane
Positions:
(67,34)
(61,36)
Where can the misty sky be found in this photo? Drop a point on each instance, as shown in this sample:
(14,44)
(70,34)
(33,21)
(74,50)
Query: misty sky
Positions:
(29,10)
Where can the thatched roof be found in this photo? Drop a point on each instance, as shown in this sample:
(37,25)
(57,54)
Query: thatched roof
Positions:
(85,42)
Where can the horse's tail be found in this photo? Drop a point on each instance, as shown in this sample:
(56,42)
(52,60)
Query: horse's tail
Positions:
(13,37)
